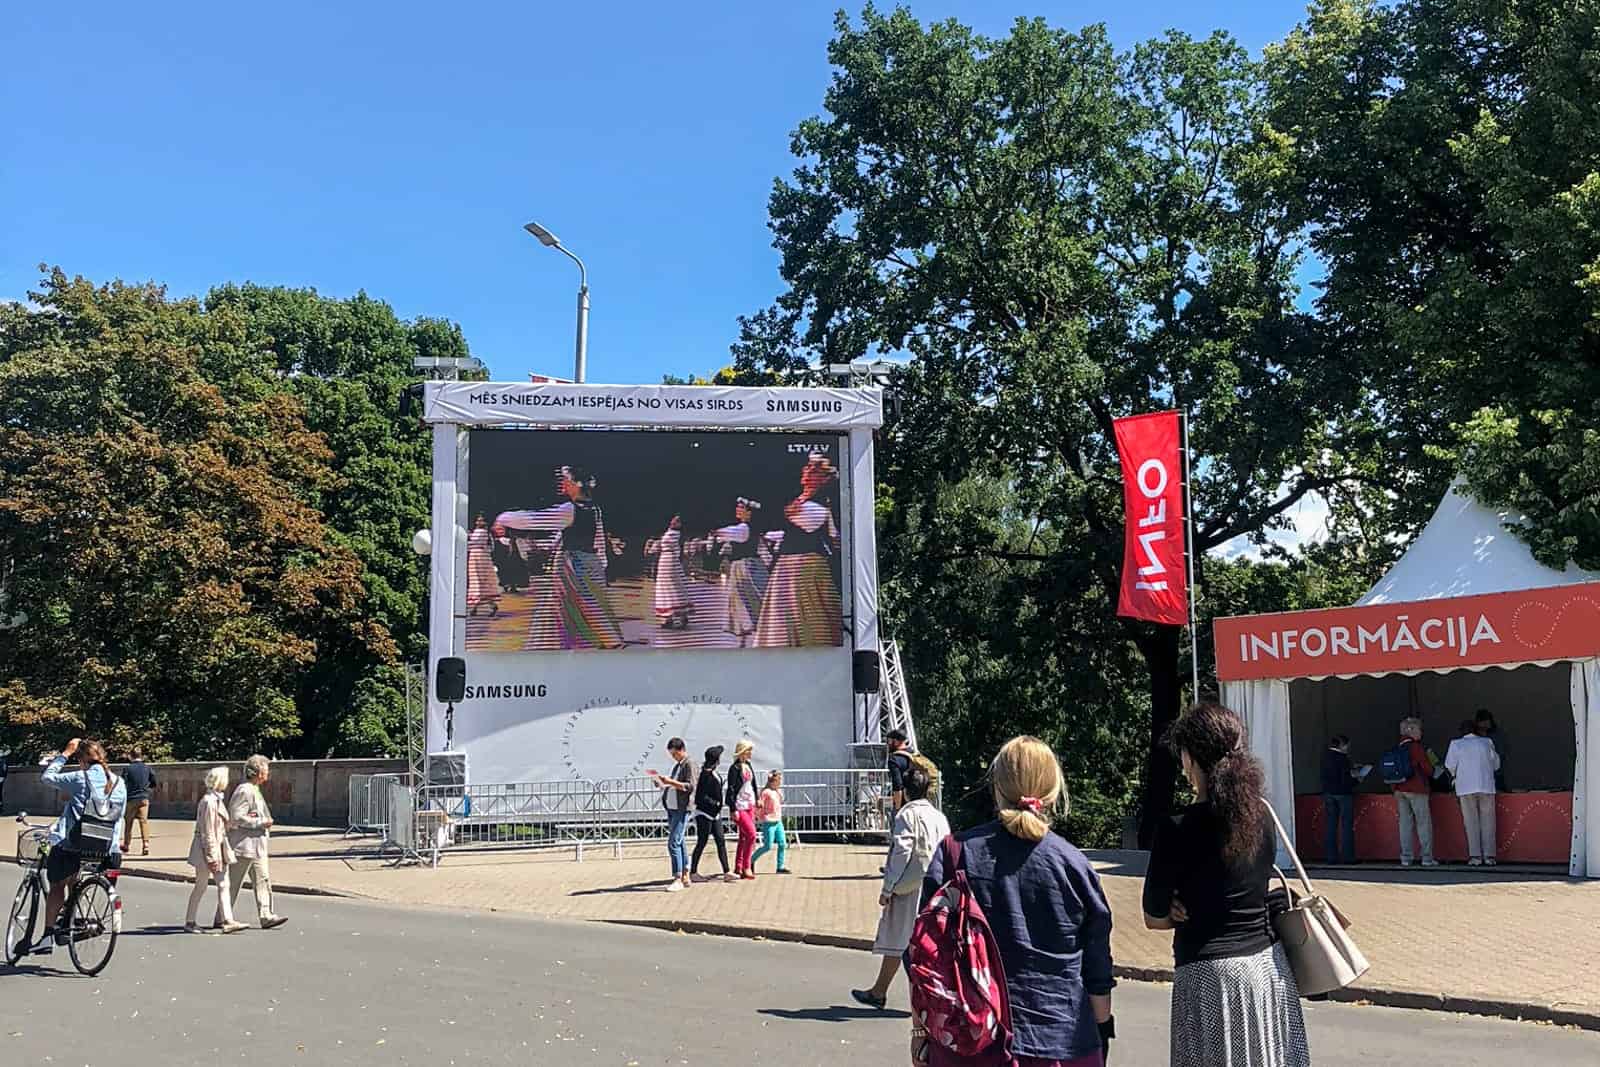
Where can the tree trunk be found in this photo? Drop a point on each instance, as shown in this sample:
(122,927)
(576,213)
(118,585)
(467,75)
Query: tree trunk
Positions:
(1160,651)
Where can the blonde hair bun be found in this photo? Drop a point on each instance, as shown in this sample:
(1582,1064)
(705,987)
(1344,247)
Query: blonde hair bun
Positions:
(1029,788)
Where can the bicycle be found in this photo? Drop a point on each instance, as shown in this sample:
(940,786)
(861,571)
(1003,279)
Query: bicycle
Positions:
(91,917)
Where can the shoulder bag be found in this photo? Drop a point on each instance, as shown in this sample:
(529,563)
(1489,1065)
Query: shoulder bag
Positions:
(1313,933)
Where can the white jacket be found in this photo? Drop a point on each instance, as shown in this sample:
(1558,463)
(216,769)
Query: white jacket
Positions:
(919,830)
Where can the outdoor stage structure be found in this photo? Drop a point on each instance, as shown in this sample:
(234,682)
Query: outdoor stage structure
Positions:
(620,564)
(1467,619)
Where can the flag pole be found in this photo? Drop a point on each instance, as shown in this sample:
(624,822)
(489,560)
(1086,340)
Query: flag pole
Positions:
(1189,550)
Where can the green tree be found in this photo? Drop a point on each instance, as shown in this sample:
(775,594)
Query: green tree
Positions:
(1446,156)
(169,580)
(1057,235)
(345,361)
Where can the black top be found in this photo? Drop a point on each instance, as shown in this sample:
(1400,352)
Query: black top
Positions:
(740,773)
(1227,908)
(798,542)
(899,764)
(139,778)
(708,794)
(1336,778)
(579,537)
(745,549)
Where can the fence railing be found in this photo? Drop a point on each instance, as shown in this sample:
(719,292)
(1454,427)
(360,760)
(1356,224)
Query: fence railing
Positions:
(583,814)
(369,803)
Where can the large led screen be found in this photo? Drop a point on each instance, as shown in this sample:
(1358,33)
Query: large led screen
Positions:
(618,539)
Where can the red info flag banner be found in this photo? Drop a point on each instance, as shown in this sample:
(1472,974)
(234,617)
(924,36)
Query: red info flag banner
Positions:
(1154,585)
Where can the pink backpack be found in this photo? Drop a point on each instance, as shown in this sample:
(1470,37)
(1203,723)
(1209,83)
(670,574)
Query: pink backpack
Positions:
(958,982)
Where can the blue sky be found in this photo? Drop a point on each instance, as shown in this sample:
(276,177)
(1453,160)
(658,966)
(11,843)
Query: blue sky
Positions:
(398,148)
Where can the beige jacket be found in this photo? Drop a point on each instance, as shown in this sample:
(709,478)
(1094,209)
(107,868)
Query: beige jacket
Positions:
(919,830)
(248,816)
(210,843)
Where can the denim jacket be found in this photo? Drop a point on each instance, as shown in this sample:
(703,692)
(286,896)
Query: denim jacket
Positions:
(1045,905)
(82,789)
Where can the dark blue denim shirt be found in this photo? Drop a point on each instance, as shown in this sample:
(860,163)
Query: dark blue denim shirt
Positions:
(1050,916)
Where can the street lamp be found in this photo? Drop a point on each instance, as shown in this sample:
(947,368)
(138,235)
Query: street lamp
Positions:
(550,240)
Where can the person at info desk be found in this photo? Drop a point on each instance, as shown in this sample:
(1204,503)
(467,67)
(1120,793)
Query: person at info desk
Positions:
(1473,761)
(1338,801)
(1411,798)
(1484,723)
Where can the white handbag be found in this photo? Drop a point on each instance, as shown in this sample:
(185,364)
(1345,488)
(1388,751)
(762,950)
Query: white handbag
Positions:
(1313,933)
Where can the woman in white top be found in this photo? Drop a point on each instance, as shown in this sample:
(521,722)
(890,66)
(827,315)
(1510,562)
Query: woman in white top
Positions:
(802,606)
(211,855)
(672,601)
(747,574)
(1472,760)
(578,614)
(483,581)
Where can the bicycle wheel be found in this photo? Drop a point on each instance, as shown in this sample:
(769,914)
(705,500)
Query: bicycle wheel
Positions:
(24,913)
(94,934)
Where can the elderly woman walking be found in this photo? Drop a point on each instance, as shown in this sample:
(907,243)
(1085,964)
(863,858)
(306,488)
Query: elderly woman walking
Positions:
(249,829)
(210,854)
(919,827)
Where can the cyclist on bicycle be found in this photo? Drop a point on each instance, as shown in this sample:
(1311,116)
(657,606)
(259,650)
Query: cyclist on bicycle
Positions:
(87,786)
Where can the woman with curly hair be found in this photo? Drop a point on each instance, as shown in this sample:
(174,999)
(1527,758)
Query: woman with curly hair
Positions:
(1234,998)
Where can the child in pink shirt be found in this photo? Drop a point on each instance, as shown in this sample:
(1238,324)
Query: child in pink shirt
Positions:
(769,812)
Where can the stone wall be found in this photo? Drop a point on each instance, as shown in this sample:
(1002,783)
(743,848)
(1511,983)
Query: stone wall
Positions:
(301,792)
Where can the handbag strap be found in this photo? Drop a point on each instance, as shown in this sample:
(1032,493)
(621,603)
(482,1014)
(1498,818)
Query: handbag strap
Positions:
(1288,846)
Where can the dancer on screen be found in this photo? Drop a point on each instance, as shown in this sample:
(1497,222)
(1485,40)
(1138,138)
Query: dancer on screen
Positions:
(747,573)
(579,613)
(802,606)
(672,601)
(483,581)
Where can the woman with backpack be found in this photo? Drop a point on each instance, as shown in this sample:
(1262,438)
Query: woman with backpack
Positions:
(1050,921)
(1234,999)
(90,824)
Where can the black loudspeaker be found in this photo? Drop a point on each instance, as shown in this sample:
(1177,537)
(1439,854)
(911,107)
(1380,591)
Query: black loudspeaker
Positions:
(450,680)
(868,671)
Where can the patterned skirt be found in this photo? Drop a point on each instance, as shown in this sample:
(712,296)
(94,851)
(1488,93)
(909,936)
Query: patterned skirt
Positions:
(579,615)
(802,607)
(1238,1012)
(747,587)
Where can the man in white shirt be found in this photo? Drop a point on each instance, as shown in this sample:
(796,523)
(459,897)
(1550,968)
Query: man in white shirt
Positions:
(1473,760)
(249,830)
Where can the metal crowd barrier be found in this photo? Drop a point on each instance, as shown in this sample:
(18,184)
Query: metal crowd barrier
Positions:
(583,814)
(369,803)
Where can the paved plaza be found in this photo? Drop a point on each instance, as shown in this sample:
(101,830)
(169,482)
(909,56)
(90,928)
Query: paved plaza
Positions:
(1505,944)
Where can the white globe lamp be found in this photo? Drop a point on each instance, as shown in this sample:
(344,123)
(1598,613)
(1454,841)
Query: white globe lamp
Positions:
(422,542)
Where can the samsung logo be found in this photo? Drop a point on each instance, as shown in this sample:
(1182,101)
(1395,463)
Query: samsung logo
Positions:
(506,692)
(806,406)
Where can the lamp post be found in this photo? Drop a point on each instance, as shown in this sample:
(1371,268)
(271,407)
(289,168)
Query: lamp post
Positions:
(550,240)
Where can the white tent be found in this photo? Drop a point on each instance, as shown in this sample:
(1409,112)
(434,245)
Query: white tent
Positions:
(1465,552)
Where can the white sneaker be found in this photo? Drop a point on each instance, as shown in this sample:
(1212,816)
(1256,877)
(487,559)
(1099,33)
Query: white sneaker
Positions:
(674,886)
(1405,863)
(1430,863)
(1474,862)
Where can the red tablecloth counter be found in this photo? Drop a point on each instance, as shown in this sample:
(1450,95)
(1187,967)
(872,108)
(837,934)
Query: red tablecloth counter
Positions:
(1531,827)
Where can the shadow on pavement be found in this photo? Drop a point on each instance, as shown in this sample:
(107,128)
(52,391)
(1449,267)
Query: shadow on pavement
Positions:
(631,887)
(155,931)
(837,1013)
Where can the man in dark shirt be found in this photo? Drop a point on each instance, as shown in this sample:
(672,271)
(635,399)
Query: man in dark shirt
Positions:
(140,779)
(899,764)
(1338,801)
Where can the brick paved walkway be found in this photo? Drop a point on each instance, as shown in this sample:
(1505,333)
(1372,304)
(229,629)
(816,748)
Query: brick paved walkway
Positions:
(1451,938)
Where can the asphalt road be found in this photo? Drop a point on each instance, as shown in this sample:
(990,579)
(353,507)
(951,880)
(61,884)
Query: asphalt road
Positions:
(351,983)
